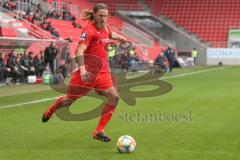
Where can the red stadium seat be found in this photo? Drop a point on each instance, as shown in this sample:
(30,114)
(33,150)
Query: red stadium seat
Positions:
(213,17)
(8,32)
(66,30)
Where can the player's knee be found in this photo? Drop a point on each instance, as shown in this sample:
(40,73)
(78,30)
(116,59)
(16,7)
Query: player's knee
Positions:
(67,102)
(114,100)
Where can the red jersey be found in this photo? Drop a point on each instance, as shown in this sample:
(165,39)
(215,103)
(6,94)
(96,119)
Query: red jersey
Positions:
(95,56)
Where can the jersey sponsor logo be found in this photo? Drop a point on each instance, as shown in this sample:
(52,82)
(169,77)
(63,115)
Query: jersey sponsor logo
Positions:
(84,36)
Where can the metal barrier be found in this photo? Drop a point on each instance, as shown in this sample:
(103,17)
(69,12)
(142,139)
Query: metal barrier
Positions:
(7,16)
(23,6)
(74,9)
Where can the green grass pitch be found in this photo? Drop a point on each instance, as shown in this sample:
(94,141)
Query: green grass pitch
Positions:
(210,130)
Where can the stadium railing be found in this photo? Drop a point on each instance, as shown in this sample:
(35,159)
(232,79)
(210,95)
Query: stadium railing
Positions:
(74,9)
(33,29)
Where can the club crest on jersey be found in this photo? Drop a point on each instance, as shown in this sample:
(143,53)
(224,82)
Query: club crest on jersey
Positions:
(83,36)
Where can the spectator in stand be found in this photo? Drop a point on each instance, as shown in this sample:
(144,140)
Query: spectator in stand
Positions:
(4,71)
(48,14)
(34,21)
(18,72)
(118,61)
(128,60)
(8,4)
(3,3)
(55,33)
(53,6)
(37,14)
(66,15)
(63,68)
(170,55)
(145,55)
(50,55)
(111,50)
(52,14)
(123,55)
(134,62)
(124,63)
(74,18)
(161,62)
(44,24)
(49,26)
(12,60)
(12,5)
(28,12)
(65,55)
(39,64)
(55,15)
(19,14)
(27,64)
(29,15)
(38,7)
(124,47)
(75,24)
(65,60)
(19,55)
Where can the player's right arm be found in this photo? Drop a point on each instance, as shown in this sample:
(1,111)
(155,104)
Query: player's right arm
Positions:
(85,41)
(86,76)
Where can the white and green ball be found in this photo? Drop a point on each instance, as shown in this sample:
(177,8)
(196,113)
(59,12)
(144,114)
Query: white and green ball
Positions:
(126,144)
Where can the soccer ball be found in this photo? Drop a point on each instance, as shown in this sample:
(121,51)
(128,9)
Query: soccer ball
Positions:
(126,144)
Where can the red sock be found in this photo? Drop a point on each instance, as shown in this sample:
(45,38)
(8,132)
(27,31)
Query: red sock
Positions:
(105,117)
(53,107)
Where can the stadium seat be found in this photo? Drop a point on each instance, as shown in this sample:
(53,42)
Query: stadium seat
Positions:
(8,32)
(66,30)
(213,17)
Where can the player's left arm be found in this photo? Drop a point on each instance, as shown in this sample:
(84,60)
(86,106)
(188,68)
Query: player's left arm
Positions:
(116,36)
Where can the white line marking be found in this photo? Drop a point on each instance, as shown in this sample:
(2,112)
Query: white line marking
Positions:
(31,102)
(170,77)
(192,73)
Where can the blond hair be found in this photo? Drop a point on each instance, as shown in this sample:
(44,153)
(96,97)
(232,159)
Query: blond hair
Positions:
(89,14)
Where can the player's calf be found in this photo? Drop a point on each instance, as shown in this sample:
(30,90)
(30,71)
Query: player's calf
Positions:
(61,102)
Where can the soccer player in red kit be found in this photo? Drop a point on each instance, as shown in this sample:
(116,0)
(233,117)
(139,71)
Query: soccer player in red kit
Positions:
(93,71)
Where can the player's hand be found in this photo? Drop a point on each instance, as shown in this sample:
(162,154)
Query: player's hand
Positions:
(121,38)
(85,75)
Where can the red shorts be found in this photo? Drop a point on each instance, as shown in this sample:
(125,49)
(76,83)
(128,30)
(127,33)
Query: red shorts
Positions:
(77,87)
